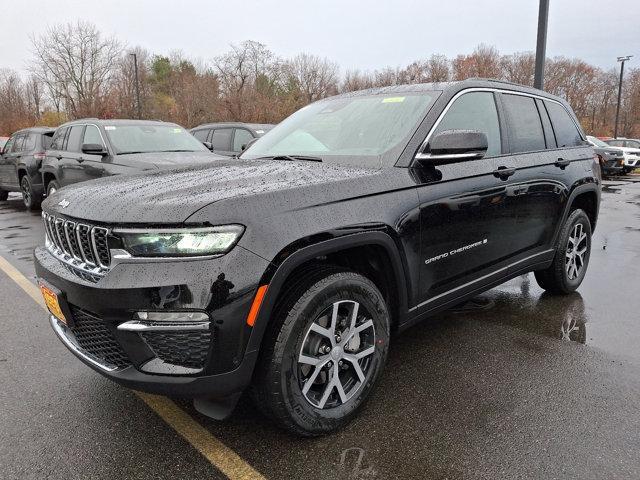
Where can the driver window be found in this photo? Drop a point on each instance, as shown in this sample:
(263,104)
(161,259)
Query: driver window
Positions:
(92,135)
(474,111)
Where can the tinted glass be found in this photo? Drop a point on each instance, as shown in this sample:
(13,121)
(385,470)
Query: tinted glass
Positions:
(92,135)
(18,144)
(567,135)
(241,138)
(130,139)
(201,135)
(8,145)
(58,139)
(73,140)
(525,127)
(597,142)
(474,111)
(221,139)
(616,143)
(30,142)
(355,130)
(633,144)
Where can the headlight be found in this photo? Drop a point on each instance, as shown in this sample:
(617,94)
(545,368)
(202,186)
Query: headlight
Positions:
(182,242)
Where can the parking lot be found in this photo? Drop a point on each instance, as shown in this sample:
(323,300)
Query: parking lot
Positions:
(516,384)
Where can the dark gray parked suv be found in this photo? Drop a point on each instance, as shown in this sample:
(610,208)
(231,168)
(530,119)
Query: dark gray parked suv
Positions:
(90,148)
(229,139)
(20,164)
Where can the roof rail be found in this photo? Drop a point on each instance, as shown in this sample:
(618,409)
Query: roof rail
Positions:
(495,80)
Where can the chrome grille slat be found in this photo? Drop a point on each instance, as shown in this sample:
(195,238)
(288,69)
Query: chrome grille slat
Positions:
(83,248)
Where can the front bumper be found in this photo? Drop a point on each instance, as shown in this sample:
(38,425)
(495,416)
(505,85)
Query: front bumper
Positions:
(190,363)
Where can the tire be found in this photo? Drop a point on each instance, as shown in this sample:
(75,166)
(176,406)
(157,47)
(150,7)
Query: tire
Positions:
(31,200)
(560,278)
(279,388)
(52,187)
(3,195)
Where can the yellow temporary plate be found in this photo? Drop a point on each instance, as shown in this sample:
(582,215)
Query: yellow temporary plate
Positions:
(51,300)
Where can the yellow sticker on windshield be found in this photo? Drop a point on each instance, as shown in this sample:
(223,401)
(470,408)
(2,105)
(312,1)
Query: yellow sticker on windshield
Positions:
(393,100)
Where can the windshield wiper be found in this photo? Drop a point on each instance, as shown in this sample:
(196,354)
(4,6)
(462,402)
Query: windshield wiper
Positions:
(130,153)
(165,151)
(292,158)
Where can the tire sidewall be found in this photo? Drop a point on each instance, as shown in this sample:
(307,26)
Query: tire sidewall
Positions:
(302,412)
(578,216)
(28,204)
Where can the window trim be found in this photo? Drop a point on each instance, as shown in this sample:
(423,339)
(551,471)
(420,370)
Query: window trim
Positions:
(104,144)
(495,90)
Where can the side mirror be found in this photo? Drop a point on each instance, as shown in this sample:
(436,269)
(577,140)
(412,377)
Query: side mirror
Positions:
(452,146)
(209,145)
(249,143)
(93,149)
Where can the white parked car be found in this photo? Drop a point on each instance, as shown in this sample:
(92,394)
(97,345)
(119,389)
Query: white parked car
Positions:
(631,149)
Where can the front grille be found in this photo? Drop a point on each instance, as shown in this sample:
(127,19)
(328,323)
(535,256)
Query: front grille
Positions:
(183,348)
(93,336)
(84,247)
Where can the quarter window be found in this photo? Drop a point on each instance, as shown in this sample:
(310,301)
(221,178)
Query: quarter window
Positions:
(19,143)
(525,128)
(221,139)
(9,144)
(474,111)
(567,134)
(241,138)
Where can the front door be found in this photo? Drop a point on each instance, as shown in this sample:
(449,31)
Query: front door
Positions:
(467,209)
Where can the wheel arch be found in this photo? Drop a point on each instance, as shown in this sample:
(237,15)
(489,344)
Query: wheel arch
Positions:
(338,251)
(587,198)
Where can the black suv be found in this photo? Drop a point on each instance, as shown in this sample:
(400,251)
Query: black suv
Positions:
(20,164)
(288,269)
(229,139)
(90,148)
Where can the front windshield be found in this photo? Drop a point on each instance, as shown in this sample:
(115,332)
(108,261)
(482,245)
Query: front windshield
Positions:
(597,142)
(152,138)
(359,130)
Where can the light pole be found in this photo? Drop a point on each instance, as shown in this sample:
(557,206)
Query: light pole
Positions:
(541,45)
(135,66)
(621,60)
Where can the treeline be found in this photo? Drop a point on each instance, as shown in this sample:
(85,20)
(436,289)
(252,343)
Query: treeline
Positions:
(77,72)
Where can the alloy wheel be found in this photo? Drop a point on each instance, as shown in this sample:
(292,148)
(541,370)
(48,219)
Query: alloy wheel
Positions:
(576,250)
(26,191)
(336,354)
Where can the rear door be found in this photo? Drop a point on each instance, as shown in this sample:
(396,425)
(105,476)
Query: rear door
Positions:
(54,155)
(8,161)
(71,169)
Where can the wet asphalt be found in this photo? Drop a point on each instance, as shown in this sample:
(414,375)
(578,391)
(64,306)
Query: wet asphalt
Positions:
(516,384)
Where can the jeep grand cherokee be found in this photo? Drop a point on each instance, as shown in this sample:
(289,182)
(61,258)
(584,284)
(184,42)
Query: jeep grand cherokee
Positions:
(288,269)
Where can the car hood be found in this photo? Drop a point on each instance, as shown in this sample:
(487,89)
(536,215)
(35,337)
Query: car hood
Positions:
(157,160)
(171,196)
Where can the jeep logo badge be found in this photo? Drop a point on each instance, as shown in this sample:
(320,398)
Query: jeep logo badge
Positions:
(63,203)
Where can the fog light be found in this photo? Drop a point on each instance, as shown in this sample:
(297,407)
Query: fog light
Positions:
(173,316)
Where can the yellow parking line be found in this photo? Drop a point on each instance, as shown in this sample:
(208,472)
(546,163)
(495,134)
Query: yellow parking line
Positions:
(217,453)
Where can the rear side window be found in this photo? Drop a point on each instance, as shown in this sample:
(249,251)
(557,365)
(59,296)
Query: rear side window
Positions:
(30,142)
(221,139)
(58,139)
(201,135)
(567,134)
(18,144)
(46,141)
(73,140)
(525,127)
(632,144)
(616,143)
(474,111)
(241,138)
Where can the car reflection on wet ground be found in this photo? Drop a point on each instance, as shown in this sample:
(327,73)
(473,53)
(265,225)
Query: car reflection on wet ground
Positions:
(514,384)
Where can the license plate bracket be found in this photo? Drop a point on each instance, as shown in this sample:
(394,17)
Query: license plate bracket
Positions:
(56,302)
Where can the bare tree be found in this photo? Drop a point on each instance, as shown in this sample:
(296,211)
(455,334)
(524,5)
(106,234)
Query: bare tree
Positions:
(77,65)
(314,77)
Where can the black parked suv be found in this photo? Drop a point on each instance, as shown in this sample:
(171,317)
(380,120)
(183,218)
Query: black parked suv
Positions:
(20,164)
(288,269)
(90,148)
(229,139)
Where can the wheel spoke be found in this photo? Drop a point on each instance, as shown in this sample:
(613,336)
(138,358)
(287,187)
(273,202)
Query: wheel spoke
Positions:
(334,318)
(311,380)
(340,388)
(356,366)
(307,360)
(365,353)
(322,331)
(327,392)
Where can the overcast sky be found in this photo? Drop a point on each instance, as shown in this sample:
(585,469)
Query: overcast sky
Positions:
(356,34)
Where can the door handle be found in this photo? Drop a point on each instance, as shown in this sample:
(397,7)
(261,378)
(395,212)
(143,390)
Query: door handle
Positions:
(562,163)
(80,160)
(504,172)
(59,157)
